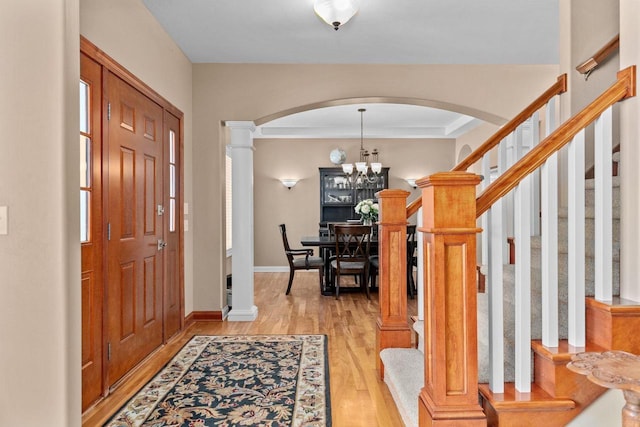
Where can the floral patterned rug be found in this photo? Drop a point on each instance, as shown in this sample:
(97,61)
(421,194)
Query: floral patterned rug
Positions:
(237,380)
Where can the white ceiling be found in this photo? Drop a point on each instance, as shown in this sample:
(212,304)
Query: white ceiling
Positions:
(379,121)
(383,31)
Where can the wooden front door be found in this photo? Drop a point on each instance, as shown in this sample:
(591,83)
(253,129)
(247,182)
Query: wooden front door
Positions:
(135,227)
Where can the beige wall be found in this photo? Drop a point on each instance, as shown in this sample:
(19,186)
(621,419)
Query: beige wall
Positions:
(251,92)
(476,137)
(630,149)
(593,23)
(298,208)
(591,27)
(40,257)
(141,45)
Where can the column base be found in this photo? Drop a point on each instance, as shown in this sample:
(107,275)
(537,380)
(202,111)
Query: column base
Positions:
(236,315)
(429,414)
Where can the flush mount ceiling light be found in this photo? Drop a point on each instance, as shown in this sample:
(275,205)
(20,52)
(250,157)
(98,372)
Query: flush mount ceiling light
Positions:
(335,12)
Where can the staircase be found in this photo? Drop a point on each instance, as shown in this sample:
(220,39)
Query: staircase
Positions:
(437,385)
(404,368)
(536,282)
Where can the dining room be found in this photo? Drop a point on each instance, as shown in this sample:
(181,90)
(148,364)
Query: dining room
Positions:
(303,159)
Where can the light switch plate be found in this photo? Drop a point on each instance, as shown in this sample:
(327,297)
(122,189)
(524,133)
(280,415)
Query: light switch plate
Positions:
(4,220)
(186,208)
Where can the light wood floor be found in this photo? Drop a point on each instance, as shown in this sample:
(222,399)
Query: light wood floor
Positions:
(358,397)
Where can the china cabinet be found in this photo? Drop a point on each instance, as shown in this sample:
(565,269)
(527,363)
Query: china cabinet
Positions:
(339,196)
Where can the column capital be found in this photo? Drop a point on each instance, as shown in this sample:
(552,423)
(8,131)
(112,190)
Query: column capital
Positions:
(244,124)
(241,135)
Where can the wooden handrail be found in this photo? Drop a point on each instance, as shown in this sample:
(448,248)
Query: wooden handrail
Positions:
(413,207)
(624,87)
(590,64)
(560,86)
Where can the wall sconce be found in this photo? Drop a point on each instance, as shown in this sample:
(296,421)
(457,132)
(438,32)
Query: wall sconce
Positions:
(289,183)
(411,182)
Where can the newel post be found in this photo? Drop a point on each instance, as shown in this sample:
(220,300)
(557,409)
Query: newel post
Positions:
(393,330)
(450,395)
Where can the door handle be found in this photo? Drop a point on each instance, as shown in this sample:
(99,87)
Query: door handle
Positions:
(161,244)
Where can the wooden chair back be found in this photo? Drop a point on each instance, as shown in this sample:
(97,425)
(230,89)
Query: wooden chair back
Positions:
(285,243)
(352,242)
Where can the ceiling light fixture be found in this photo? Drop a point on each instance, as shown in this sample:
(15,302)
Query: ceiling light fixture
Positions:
(335,12)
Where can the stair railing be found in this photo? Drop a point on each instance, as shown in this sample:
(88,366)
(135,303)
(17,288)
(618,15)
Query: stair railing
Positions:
(450,209)
(558,88)
(517,131)
(393,329)
(518,178)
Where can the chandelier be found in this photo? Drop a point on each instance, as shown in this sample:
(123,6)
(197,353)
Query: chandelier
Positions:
(366,173)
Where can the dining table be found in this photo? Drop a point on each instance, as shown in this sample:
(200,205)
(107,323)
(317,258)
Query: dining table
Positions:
(326,244)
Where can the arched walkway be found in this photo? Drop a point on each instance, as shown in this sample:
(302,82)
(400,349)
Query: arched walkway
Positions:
(241,145)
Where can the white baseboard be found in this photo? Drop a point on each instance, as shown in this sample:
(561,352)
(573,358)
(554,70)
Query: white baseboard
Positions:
(271,269)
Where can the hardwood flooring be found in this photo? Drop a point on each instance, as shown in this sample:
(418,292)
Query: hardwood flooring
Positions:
(358,397)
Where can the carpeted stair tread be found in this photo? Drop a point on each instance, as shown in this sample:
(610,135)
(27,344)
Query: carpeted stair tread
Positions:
(589,184)
(418,326)
(404,375)
(590,212)
(536,280)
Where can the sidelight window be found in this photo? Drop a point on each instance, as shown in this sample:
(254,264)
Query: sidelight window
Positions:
(85,164)
(172,181)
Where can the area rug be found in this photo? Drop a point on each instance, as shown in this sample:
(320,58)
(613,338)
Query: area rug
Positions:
(237,380)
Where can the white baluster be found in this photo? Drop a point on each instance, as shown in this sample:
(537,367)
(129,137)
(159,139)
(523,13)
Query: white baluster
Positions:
(522,223)
(549,223)
(604,207)
(511,154)
(495,296)
(576,293)
(502,167)
(535,192)
(486,173)
(420,272)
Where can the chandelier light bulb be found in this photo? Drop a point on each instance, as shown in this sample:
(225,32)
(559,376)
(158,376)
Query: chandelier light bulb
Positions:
(335,12)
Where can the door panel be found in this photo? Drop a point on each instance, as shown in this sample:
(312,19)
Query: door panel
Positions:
(91,231)
(173,314)
(134,304)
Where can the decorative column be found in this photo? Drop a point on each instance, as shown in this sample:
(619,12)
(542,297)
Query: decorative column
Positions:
(450,395)
(242,236)
(393,330)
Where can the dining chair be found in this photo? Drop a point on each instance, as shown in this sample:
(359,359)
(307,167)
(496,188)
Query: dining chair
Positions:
(412,260)
(296,260)
(351,254)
